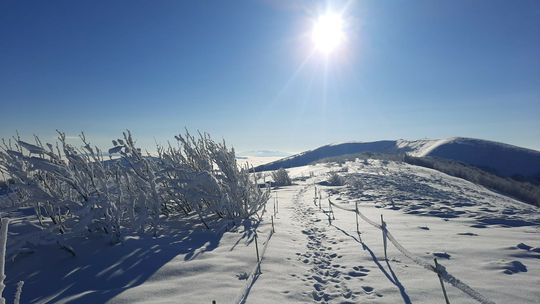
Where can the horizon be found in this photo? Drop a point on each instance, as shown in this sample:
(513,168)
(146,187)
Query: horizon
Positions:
(248,72)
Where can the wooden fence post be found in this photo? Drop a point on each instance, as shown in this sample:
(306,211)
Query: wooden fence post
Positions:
(441,280)
(274,206)
(257,247)
(328,213)
(277,204)
(383,226)
(356,214)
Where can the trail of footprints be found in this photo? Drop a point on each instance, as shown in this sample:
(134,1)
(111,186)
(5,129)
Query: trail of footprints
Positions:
(327,278)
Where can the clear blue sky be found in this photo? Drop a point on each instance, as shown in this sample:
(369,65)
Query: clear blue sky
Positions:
(242,70)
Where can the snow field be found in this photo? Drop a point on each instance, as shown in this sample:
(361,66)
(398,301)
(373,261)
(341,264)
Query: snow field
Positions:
(485,239)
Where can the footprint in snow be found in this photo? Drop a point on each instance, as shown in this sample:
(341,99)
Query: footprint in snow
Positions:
(357,274)
(479,226)
(368,289)
(514,267)
(524,246)
(442,255)
(508,267)
(468,234)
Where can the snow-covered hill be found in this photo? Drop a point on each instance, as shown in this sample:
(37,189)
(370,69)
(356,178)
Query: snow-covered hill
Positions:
(499,158)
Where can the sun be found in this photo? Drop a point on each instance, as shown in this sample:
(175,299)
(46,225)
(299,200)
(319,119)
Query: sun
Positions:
(328,33)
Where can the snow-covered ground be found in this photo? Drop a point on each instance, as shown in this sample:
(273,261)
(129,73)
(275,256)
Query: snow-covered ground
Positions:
(489,241)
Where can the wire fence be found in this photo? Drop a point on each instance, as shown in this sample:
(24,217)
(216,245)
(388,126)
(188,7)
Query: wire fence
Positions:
(254,273)
(439,269)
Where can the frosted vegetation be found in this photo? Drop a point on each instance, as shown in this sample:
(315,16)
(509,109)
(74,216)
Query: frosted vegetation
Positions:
(77,191)
(281,177)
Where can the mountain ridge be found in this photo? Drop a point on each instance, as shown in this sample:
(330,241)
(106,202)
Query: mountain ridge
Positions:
(500,158)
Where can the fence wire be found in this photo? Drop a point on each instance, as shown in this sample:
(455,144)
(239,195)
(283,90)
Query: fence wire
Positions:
(254,273)
(441,270)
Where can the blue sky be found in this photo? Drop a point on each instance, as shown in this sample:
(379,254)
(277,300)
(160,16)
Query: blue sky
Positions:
(246,71)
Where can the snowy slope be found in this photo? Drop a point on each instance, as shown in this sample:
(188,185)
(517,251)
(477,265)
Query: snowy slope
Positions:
(502,159)
(488,241)
(499,158)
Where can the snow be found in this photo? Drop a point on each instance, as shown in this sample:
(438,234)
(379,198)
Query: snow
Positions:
(487,240)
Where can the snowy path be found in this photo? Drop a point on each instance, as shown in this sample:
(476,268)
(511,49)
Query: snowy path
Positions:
(309,260)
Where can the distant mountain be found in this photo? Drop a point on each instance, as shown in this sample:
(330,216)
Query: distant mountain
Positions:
(499,158)
(264,153)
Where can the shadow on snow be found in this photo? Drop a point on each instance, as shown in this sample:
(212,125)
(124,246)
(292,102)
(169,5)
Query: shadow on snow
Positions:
(101,271)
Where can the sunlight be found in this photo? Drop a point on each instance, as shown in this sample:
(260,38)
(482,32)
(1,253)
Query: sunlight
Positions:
(328,33)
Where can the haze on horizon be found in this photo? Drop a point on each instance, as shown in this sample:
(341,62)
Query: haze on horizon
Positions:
(248,71)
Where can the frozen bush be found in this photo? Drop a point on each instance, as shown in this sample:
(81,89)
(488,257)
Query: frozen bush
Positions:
(281,177)
(334,179)
(74,190)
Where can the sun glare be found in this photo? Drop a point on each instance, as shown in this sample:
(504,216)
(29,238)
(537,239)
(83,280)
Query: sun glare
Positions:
(328,33)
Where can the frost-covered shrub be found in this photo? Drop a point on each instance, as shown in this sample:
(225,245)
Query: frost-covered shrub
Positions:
(72,189)
(334,179)
(75,190)
(281,177)
(202,175)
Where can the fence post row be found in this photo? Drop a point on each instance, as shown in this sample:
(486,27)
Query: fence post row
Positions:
(441,280)
(447,277)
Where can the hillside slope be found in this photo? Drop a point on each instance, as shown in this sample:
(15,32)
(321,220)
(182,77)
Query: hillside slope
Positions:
(499,158)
